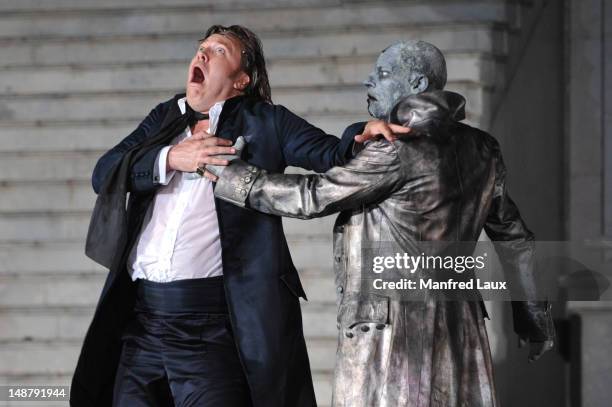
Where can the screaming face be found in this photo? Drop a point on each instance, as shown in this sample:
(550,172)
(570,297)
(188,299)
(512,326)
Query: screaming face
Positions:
(215,72)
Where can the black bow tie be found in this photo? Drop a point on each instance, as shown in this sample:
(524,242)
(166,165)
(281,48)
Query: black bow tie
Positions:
(193,116)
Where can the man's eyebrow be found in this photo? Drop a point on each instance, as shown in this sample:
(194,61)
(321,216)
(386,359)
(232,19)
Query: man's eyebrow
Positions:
(215,42)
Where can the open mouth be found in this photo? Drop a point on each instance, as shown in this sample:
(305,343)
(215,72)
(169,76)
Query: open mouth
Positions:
(197,75)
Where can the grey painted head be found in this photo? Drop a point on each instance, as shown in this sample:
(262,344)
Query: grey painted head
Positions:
(402,69)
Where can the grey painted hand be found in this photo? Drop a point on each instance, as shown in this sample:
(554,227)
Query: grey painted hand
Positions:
(536,349)
(216,170)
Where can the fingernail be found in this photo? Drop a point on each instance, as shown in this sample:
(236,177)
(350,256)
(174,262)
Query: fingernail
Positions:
(233,150)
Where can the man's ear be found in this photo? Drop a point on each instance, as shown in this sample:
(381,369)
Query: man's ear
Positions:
(418,83)
(242,82)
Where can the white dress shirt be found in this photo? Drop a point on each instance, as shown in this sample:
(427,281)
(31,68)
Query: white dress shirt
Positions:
(180,234)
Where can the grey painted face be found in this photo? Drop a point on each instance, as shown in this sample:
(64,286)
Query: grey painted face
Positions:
(403,69)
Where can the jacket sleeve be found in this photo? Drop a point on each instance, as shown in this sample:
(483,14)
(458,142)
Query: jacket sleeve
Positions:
(370,177)
(309,147)
(141,173)
(515,246)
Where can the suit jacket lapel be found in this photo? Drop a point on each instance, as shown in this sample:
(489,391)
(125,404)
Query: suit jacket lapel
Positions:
(230,120)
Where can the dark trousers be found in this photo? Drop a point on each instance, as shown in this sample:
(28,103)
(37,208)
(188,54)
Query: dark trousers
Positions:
(179,349)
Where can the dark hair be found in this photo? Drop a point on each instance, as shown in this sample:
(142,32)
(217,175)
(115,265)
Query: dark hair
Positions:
(252,59)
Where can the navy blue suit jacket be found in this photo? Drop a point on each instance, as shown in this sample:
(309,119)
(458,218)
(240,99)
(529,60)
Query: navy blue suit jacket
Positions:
(261,283)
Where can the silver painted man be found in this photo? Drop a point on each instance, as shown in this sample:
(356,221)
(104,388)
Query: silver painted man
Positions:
(445,183)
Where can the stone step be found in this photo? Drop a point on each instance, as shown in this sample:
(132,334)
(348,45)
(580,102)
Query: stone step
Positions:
(462,67)
(50,290)
(61,227)
(44,196)
(31,6)
(309,254)
(27,259)
(60,357)
(82,289)
(322,383)
(311,100)
(99,135)
(477,37)
(69,258)
(45,324)
(168,20)
(62,323)
(47,197)
(54,227)
(57,166)
(35,380)
(77,136)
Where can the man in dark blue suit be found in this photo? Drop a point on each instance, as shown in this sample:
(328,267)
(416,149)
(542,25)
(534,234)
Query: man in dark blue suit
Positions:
(201,304)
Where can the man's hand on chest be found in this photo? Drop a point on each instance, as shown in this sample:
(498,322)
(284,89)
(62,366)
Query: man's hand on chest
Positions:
(198,150)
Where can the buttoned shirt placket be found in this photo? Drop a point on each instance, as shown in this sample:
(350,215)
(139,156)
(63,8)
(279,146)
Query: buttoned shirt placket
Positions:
(184,185)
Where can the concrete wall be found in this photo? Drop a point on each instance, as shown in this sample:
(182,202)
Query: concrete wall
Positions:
(589,190)
(529,124)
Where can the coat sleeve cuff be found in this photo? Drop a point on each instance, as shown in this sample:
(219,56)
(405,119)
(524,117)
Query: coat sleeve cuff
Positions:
(533,320)
(161,175)
(236,182)
(349,147)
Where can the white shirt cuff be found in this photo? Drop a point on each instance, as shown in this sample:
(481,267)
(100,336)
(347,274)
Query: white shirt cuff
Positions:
(160,173)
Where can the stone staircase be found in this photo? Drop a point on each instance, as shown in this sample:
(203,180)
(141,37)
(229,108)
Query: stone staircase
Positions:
(76,76)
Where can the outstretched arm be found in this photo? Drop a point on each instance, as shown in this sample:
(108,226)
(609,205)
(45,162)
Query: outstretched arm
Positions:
(140,171)
(371,176)
(308,147)
(515,245)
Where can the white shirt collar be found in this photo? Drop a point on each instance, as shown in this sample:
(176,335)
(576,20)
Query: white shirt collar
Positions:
(213,113)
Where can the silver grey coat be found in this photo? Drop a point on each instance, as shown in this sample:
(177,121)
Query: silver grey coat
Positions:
(446,183)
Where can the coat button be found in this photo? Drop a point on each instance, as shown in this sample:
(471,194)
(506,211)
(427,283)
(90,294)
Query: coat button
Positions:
(380,326)
(349,334)
(365,328)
